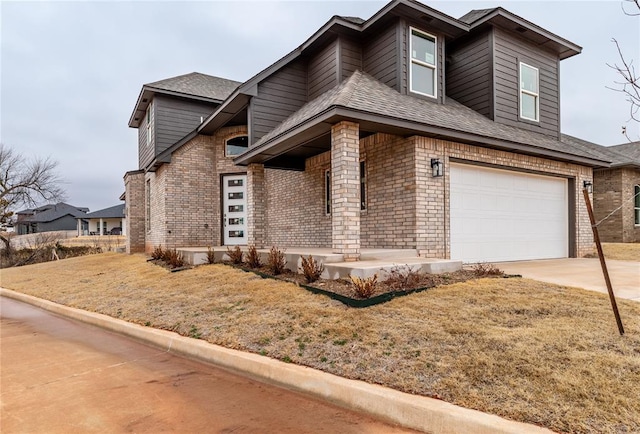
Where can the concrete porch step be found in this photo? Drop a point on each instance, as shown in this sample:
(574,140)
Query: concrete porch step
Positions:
(382,267)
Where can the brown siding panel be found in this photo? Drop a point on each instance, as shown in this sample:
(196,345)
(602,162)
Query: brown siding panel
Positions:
(469,74)
(350,56)
(145,152)
(322,70)
(279,96)
(175,118)
(379,57)
(509,51)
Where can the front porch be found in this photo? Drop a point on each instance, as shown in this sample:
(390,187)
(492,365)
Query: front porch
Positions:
(372,261)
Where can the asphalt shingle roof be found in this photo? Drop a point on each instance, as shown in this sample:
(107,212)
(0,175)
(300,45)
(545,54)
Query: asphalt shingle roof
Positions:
(198,84)
(55,212)
(363,93)
(626,153)
(107,213)
(475,15)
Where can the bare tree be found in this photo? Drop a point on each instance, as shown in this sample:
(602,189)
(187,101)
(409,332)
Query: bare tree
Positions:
(25,182)
(629,85)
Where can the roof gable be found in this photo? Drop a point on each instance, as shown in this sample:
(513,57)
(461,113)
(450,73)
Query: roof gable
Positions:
(54,212)
(116,211)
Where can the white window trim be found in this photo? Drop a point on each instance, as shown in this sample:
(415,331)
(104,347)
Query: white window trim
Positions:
(635,208)
(231,138)
(536,95)
(419,62)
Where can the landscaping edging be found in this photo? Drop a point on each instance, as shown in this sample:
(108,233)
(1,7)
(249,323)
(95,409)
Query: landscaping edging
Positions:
(410,411)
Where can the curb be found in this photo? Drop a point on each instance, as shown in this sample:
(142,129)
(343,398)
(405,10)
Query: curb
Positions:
(409,411)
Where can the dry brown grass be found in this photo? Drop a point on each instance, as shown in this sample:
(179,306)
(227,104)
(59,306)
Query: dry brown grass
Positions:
(622,251)
(524,350)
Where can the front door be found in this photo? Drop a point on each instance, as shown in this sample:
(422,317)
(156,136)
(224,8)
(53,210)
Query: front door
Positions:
(234,209)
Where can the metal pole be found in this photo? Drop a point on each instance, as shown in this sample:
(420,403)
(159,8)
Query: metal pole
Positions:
(596,238)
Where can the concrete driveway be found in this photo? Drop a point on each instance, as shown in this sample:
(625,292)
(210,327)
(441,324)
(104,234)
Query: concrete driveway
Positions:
(582,273)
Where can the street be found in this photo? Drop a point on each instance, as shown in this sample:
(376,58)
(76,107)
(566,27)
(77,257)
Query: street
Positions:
(59,375)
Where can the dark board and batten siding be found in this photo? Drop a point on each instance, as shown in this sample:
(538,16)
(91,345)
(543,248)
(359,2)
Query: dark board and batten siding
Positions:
(279,96)
(508,53)
(469,74)
(175,118)
(145,151)
(323,70)
(379,57)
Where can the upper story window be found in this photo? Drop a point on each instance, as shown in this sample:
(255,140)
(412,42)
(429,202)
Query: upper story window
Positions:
(529,93)
(636,204)
(236,145)
(422,73)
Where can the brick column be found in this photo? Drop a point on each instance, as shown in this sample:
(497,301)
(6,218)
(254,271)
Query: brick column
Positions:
(134,211)
(345,190)
(255,205)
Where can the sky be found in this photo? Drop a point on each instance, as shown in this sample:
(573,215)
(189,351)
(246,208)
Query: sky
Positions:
(70,72)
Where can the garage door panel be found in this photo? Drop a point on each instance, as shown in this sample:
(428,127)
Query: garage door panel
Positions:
(501,215)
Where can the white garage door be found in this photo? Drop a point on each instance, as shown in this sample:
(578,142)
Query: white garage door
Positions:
(501,215)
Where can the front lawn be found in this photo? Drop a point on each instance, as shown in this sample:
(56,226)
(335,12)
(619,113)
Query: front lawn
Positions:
(524,350)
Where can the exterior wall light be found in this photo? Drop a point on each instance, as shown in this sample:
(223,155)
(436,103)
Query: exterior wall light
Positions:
(437,167)
(588,185)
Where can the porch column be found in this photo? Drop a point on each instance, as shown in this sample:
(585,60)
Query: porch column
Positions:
(255,205)
(79,226)
(101,230)
(345,190)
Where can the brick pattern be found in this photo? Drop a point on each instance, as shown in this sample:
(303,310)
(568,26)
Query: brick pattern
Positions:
(255,205)
(612,189)
(294,206)
(389,220)
(156,195)
(134,211)
(345,190)
(437,245)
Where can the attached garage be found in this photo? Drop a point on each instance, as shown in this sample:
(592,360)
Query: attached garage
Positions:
(503,215)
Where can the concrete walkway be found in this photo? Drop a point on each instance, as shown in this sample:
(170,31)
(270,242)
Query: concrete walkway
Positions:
(391,406)
(581,273)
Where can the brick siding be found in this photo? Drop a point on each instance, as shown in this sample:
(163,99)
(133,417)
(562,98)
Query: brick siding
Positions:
(613,189)
(134,211)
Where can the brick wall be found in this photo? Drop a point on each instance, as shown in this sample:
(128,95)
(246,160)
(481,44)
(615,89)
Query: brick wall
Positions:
(134,211)
(294,206)
(155,193)
(613,189)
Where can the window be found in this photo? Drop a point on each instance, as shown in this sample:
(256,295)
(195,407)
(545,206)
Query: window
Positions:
(363,186)
(422,72)
(236,145)
(529,92)
(327,191)
(148,124)
(636,204)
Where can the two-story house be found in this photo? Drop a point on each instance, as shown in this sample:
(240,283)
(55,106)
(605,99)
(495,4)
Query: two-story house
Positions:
(409,130)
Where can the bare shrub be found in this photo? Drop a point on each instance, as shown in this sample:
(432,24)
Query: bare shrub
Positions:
(402,278)
(276,261)
(157,253)
(173,258)
(235,255)
(485,269)
(253,257)
(211,258)
(364,288)
(311,269)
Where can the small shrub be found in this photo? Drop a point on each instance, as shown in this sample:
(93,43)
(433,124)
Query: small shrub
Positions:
(311,269)
(211,259)
(235,255)
(173,258)
(253,257)
(402,278)
(157,253)
(364,288)
(484,269)
(276,261)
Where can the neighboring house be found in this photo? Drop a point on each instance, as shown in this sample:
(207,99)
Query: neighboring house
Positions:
(616,195)
(108,221)
(409,130)
(51,217)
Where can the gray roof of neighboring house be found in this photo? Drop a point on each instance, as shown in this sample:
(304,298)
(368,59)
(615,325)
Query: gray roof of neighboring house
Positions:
(197,84)
(362,93)
(54,212)
(112,212)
